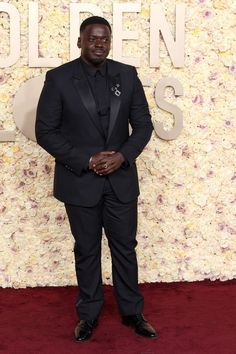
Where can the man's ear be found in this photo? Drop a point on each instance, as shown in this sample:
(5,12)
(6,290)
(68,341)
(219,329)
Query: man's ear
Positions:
(79,43)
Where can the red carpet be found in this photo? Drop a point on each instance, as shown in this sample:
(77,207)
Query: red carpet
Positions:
(196,318)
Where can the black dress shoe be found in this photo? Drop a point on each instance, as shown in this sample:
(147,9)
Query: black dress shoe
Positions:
(140,324)
(84,330)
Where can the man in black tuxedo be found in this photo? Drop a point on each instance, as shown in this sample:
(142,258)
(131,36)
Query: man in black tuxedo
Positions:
(83,118)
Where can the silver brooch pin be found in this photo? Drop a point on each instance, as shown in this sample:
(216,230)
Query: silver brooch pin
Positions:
(115,89)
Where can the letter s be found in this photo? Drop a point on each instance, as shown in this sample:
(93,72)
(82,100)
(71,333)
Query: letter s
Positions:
(177,113)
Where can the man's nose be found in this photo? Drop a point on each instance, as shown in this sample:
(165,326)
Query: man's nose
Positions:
(98,43)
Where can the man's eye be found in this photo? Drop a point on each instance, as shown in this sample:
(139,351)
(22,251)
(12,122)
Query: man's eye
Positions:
(93,40)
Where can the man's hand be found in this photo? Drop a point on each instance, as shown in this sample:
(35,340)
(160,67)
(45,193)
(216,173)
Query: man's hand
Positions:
(98,158)
(106,162)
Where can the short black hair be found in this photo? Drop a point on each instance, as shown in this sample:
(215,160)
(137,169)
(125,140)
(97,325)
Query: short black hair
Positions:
(92,20)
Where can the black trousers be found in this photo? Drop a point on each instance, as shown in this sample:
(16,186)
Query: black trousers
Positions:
(119,221)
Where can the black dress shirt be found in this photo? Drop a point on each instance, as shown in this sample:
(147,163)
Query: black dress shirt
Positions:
(98,82)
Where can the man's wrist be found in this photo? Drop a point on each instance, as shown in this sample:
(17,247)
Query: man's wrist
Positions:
(125,162)
(121,156)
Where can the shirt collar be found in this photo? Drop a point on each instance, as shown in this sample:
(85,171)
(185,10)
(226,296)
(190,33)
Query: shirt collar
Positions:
(91,70)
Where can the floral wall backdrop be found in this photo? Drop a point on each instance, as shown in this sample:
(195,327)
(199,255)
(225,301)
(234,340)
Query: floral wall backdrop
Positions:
(187,206)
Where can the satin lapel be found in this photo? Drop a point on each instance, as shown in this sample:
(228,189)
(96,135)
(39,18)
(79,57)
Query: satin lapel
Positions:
(115,100)
(82,87)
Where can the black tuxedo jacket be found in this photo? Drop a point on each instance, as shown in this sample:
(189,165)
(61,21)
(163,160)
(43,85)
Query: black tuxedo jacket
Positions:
(67,126)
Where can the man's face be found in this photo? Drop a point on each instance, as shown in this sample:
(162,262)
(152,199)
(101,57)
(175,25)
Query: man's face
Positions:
(95,42)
